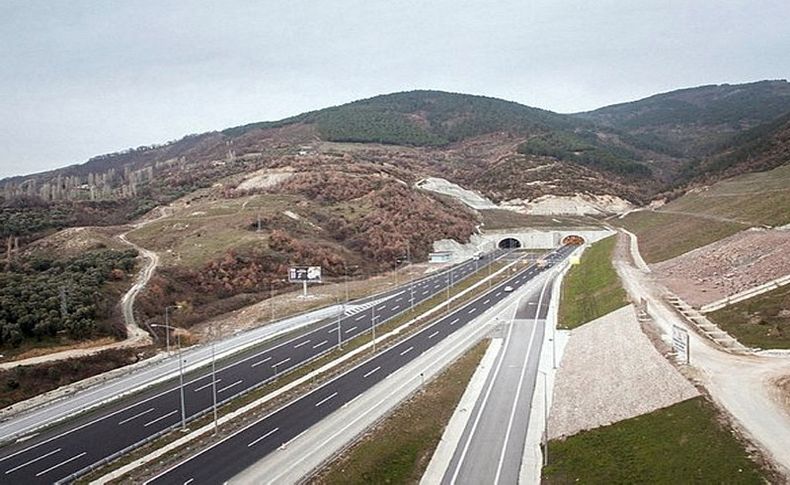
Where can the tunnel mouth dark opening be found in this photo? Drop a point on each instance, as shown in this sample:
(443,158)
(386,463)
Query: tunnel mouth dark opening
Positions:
(509,243)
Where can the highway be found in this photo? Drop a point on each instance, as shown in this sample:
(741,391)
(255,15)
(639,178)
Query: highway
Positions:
(222,461)
(492,444)
(71,446)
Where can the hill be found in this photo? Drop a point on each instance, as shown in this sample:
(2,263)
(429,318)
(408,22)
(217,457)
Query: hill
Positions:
(695,121)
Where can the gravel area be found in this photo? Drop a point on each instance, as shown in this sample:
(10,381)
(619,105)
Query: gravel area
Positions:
(739,262)
(610,372)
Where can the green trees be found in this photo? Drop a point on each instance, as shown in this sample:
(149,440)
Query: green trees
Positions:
(43,298)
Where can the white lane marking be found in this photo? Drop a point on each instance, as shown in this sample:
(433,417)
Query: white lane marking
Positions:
(149,423)
(332,330)
(399,299)
(518,388)
(372,372)
(61,463)
(319,344)
(455,321)
(322,401)
(189,481)
(204,386)
(267,359)
(360,318)
(350,329)
(486,302)
(483,404)
(425,292)
(407,351)
(473,310)
(434,334)
(278,364)
(230,385)
(32,461)
(395,307)
(498,293)
(257,440)
(302,343)
(382,307)
(135,416)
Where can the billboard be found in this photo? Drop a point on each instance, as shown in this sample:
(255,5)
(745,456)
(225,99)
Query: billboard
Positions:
(310,274)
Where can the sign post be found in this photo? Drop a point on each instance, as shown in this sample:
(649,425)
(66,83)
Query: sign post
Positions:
(304,275)
(680,344)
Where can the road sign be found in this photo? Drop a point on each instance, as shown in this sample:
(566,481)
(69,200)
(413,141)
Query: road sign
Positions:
(310,274)
(680,344)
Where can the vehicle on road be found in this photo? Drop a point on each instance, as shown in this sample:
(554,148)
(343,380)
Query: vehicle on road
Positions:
(508,288)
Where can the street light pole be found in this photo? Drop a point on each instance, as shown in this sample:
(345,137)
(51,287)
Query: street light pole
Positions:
(167,329)
(373,327)
(181,380)
(214,378)
(545,418)
(339,334)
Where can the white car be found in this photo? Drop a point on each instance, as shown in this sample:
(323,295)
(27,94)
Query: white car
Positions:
(508,288)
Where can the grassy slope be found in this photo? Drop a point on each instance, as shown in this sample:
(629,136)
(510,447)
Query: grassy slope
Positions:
(399,449)
(700,218)
(762,321)
(494,219)
(663,236)
(684,443)
(756,198)
(592,288)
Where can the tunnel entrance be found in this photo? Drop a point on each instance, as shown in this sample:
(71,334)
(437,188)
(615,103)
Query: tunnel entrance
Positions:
(572,240)
(509,243)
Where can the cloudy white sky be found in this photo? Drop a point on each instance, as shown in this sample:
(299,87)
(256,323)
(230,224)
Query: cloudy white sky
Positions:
(80,78)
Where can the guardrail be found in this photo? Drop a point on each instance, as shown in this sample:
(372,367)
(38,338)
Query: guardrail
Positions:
(746,294)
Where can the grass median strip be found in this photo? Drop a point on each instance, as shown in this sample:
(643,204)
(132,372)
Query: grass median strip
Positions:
(685,443)
(399,448)
(592,288)
(291,376)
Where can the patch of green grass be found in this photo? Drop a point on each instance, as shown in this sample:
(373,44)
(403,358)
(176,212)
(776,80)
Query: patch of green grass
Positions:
(592,288)
(762,321)
(755,198)
(684,443)
(399,448)
(663,236)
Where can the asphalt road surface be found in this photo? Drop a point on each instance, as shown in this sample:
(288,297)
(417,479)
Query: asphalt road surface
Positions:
(227,458)
(492,444)
(71,446)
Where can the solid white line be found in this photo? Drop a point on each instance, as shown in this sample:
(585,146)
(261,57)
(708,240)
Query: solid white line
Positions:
(281,362)
(135,416)
(149,423)
(518,389)
(434,334)
(302,343)
(350,329)
(455,321)
(267,359)
(31,461)
(204,386)
(230,385)
(61,463)
(372,372)
(407,351)
(483,403)
(257,440)
(319,344)
(395,307)
(322,401)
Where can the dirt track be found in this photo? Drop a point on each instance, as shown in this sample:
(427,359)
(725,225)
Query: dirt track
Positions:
(744,386)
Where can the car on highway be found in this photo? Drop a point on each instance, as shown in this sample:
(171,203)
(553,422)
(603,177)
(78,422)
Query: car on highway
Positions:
(508,288)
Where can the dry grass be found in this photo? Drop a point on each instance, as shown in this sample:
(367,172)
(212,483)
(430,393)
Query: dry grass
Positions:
(663,235)
(494,219)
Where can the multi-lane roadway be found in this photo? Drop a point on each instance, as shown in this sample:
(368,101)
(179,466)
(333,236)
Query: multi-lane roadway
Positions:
(234,454)
(67,448)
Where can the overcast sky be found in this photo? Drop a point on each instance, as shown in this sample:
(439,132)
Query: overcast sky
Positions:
(81,78)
